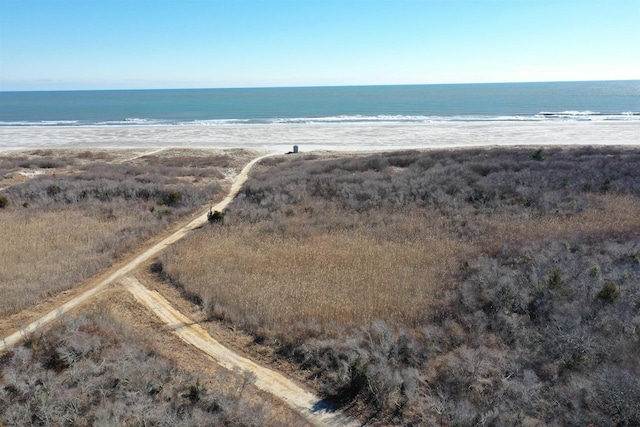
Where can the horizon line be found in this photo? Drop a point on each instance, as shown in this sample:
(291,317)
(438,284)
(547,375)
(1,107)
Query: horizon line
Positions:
(318,86)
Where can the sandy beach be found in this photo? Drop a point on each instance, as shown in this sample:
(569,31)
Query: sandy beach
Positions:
(311,137)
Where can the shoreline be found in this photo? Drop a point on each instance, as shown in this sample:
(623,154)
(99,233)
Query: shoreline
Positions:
(324,137)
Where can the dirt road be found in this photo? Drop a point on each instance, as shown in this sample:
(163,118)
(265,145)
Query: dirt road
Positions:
(310,406)
(307,404)
(16,337)
(148,153)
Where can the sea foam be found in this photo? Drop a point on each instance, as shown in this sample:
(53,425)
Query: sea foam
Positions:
(544,116)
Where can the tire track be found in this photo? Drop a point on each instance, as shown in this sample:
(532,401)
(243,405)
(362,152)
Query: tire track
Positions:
(310,406)
(149,153)
(11,340)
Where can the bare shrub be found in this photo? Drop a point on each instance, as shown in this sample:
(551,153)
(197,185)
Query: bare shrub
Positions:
(438,287)
(94,370)
(76,223)
(618,394)
(171,198)
(44,163)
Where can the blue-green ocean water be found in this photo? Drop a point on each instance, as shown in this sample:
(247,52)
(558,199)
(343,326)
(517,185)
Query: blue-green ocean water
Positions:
(562,101)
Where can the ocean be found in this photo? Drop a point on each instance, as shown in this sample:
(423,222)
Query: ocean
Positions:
(324,117)
(613,100)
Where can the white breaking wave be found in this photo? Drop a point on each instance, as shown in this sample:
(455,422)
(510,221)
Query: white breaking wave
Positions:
(587,116)
(568,115)
(41,123)
(544,116)
(133,121)
(399,119)
(215,122)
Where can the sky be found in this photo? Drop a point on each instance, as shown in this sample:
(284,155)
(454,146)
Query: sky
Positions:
(149,44)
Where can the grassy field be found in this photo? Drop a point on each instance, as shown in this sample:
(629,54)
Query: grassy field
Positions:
(346,278)
(69,214)
(454,287)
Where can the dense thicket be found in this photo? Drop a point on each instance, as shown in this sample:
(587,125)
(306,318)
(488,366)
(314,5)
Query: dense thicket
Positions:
(488,181)
(95,371)
(103,182)
(538,323)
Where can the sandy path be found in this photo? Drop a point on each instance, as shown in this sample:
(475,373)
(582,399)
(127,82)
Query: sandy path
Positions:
(148,153)
(307,404)
(16,337)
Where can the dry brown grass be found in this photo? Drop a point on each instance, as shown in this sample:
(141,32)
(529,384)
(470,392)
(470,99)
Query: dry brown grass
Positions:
(439,288)
(44,253)
(347,278)
(609,217)
(324,280)
(317,265)
(63,227)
